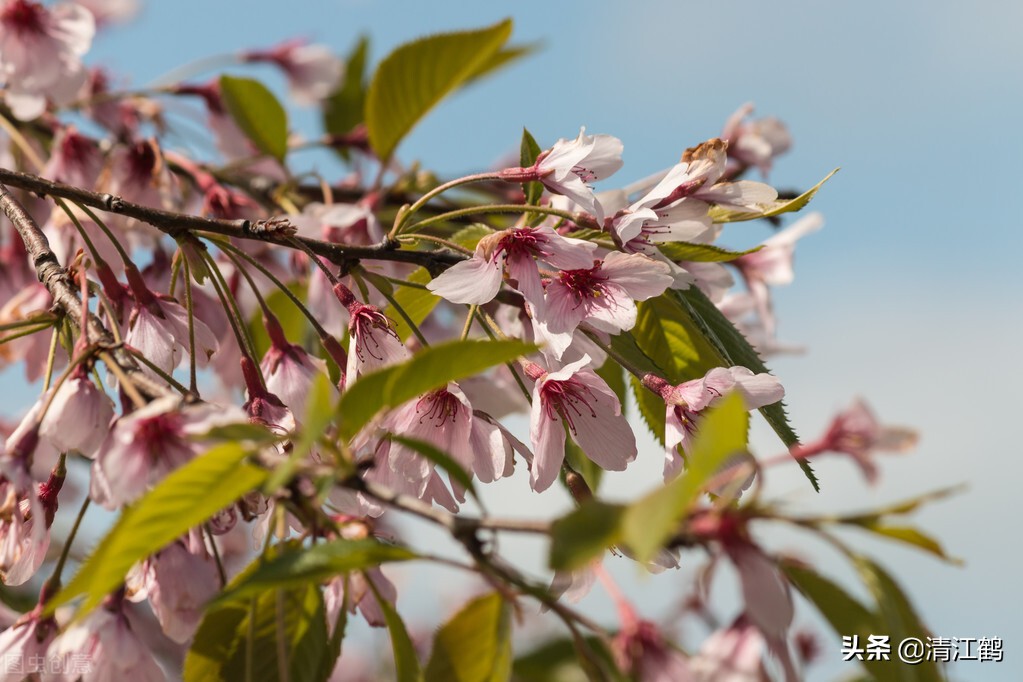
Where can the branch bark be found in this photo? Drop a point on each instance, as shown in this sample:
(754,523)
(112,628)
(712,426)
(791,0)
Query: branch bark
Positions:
(271,231)
(65,296)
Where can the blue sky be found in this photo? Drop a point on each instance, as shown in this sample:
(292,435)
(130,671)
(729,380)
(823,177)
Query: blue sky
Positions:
(909,296)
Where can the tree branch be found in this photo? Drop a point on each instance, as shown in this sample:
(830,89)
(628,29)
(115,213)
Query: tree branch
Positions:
(273,231)
(65,296)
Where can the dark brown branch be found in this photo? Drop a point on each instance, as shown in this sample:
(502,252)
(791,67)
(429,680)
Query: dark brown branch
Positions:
(272,231)
(65,296)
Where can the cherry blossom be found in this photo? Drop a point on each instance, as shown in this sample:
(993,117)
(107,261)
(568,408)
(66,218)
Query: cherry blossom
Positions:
(520,250)
(40,54)
(594,416)
(685,402)
(313,71)
(757,142)
(603,295)
(569,166)
(374,343)
(79,415)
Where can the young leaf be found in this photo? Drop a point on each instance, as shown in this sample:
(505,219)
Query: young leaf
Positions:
(475,645)
(246,640)
(186,498)
(345,109)
(701,253)
(910,536)
(258,114)
(312,565)
(429,369)
(528,151)
(721,215)
(406,663)
(584,534)
(470,236)
(649,522)
(417,303)
(417,75)
(733,349)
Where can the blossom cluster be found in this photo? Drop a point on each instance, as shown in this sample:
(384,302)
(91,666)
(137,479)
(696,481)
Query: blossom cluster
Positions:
(292,293)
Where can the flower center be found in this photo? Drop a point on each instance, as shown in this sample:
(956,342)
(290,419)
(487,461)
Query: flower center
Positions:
(439,407)
(568,398)
(155,433)
(524,241)
(365,321)
(584,284)
(24,17)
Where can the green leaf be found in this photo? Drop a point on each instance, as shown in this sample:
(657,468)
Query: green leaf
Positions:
(345,109)
(909,536)
(565,660)
(678,349)
(443,460)
(258,114)
(651,408)
(722,215)
(429,369)
(733,349)
(313,565)
(584,534)
(649,522)
(470,236)
(406,663)
(701,253)
(897,617)
(528,151)
(417,75)
(503,58)
(186,498)
(257,434)
(475,645)
(245,640)
(586,467)
(846,615)
(417,303)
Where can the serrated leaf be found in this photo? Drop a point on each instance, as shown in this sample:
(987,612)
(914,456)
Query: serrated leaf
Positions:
(503,58)
(245,640)
(406,663)
(584,534)
(186,498)
(304,565)
(649,522)
(897,617)
(475,645)
(701,253)
(678,350)
(845,614)
(417,75)
(428,369)
(345,109)
(721,215)
(417,303)
(443,460)
(257,113)
(733,349)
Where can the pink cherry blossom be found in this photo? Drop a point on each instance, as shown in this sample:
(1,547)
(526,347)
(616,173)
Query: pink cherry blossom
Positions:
(75,159)
(182,584)
(373,342)
(732,654)
(24,647)
(356,586)
(146,445)
(756,142)
(641,652)
(313,71)
(41,52)
(772,265)
(111,11)
(698,177)
(110,645)
(857,432)
(685,402)
(569,166)
(594,416)
(289,370)
(603,295)
(519,250)
(79,416)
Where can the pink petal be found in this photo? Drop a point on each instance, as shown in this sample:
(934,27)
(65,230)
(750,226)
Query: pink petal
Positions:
(474,282)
